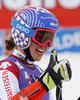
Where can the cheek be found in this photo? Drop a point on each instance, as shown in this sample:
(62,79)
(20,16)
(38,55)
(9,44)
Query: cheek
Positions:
(34,54)
(32,48)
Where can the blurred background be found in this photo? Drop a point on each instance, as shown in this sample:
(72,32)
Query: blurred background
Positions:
(67,41)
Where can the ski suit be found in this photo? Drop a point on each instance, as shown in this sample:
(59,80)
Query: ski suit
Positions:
(16,74)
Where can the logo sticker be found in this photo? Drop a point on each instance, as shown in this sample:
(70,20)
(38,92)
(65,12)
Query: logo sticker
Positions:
(4,65)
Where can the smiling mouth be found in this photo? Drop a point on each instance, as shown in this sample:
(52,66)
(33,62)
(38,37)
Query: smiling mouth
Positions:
(40,52)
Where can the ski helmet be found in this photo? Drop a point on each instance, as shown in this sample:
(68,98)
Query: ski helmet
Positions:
(28,18)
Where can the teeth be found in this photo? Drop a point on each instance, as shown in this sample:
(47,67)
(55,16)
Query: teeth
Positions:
(40,50)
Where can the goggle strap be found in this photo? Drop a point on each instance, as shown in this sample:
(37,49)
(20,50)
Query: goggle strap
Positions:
(22,28)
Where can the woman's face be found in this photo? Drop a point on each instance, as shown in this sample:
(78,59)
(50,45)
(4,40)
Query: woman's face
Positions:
(37,51)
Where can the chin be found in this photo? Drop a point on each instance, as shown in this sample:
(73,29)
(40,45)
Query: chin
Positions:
(37,59)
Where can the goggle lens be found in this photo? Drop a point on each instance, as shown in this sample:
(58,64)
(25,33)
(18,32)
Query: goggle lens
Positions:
(44,36)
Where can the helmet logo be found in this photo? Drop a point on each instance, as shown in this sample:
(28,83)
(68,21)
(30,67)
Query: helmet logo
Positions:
(22,28)
(53,24)
(42,17)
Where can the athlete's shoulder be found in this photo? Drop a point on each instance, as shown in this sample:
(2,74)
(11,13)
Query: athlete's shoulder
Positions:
(9,66)
(6,64)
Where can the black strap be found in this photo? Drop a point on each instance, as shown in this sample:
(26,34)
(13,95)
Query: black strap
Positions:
(59,92)
(78,98)
(27,52)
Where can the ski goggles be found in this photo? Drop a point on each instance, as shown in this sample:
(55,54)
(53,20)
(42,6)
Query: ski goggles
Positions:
(44,36)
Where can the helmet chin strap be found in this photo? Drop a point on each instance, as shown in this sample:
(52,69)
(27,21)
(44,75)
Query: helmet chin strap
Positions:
(27,52)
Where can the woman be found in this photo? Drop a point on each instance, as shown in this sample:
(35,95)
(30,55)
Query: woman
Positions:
(33,32)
